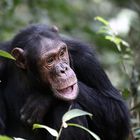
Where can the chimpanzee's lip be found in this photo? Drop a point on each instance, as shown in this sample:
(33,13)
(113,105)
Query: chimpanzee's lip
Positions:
(68,93)
(65,88)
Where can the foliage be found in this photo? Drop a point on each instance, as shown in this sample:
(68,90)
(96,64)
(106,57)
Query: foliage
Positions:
(137,132)
(66,117)
(6,55)
(8,138)
(110,35)
(76,18)
(5,138)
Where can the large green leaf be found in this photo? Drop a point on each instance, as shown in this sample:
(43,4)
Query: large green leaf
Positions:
(105,22)
(53,132)
(74,113)
(19,139)
(5,138)
(6,55)
(82,127)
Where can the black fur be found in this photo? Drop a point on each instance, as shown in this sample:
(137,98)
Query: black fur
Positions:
(22,92)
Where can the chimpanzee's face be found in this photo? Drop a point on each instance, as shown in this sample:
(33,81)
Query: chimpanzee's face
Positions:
(55,70)
(53,65)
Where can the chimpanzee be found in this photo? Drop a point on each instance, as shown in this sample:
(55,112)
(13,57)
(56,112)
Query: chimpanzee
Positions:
(52,74)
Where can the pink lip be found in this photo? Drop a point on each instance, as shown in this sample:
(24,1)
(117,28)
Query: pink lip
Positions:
(68,93)
(66,89)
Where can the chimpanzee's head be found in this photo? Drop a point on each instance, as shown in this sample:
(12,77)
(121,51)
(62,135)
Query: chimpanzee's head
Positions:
(40,50)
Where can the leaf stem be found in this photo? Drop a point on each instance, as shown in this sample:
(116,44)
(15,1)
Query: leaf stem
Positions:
(61,128)
(59,133)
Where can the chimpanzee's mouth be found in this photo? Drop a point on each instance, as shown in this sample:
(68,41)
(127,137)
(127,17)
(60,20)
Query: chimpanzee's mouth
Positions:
(68,93)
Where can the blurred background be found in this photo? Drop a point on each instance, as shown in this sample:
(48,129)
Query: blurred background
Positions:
(76,18)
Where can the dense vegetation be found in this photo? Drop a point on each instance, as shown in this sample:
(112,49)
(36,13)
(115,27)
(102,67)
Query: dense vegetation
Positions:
(76,18)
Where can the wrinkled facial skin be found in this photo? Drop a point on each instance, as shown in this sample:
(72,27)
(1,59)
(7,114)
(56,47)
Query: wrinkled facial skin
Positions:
(56,70)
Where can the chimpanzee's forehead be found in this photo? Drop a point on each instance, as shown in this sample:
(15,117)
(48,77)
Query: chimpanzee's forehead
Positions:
(48,44)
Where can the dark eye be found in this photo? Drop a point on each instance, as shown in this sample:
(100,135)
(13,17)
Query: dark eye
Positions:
(50,60)
(62,53)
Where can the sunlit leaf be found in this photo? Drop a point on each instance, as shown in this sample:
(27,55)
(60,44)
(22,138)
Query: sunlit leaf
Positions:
(65,125)
(6,55)
(125,43)
(119,48)
(134,121)
(111,38)
(118,40)
(137,131)
(53,132)
(126,93)
(74,113)
(115,40)
(127,57)
(5,138)
(102,20)
(110,34)
(82,127)
(103,30)
(19,139)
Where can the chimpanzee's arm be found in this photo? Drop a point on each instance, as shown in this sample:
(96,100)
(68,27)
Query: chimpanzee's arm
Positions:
(35,108)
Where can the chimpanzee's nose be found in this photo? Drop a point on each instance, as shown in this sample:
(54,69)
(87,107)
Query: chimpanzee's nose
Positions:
(61,68)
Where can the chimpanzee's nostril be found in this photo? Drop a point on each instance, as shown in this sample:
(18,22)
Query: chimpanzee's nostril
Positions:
(66,68)
(62,71)
(61,68)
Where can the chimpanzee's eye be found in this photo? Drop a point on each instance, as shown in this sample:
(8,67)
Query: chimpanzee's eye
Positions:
(50,60)
(62,53)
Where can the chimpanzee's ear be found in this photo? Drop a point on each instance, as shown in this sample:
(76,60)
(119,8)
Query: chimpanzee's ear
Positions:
(19,55)
(55,29)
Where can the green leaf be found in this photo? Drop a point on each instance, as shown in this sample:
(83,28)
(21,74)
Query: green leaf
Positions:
(111,38)
(82,127)
(137,131)
(125,43)
(5,138)
(19,138)
(6,55)
(115,40)
(53,132)
(126,57)
(119,48)
(102,20)
(126,93)
(103,30)
(74,113)
(118,40)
